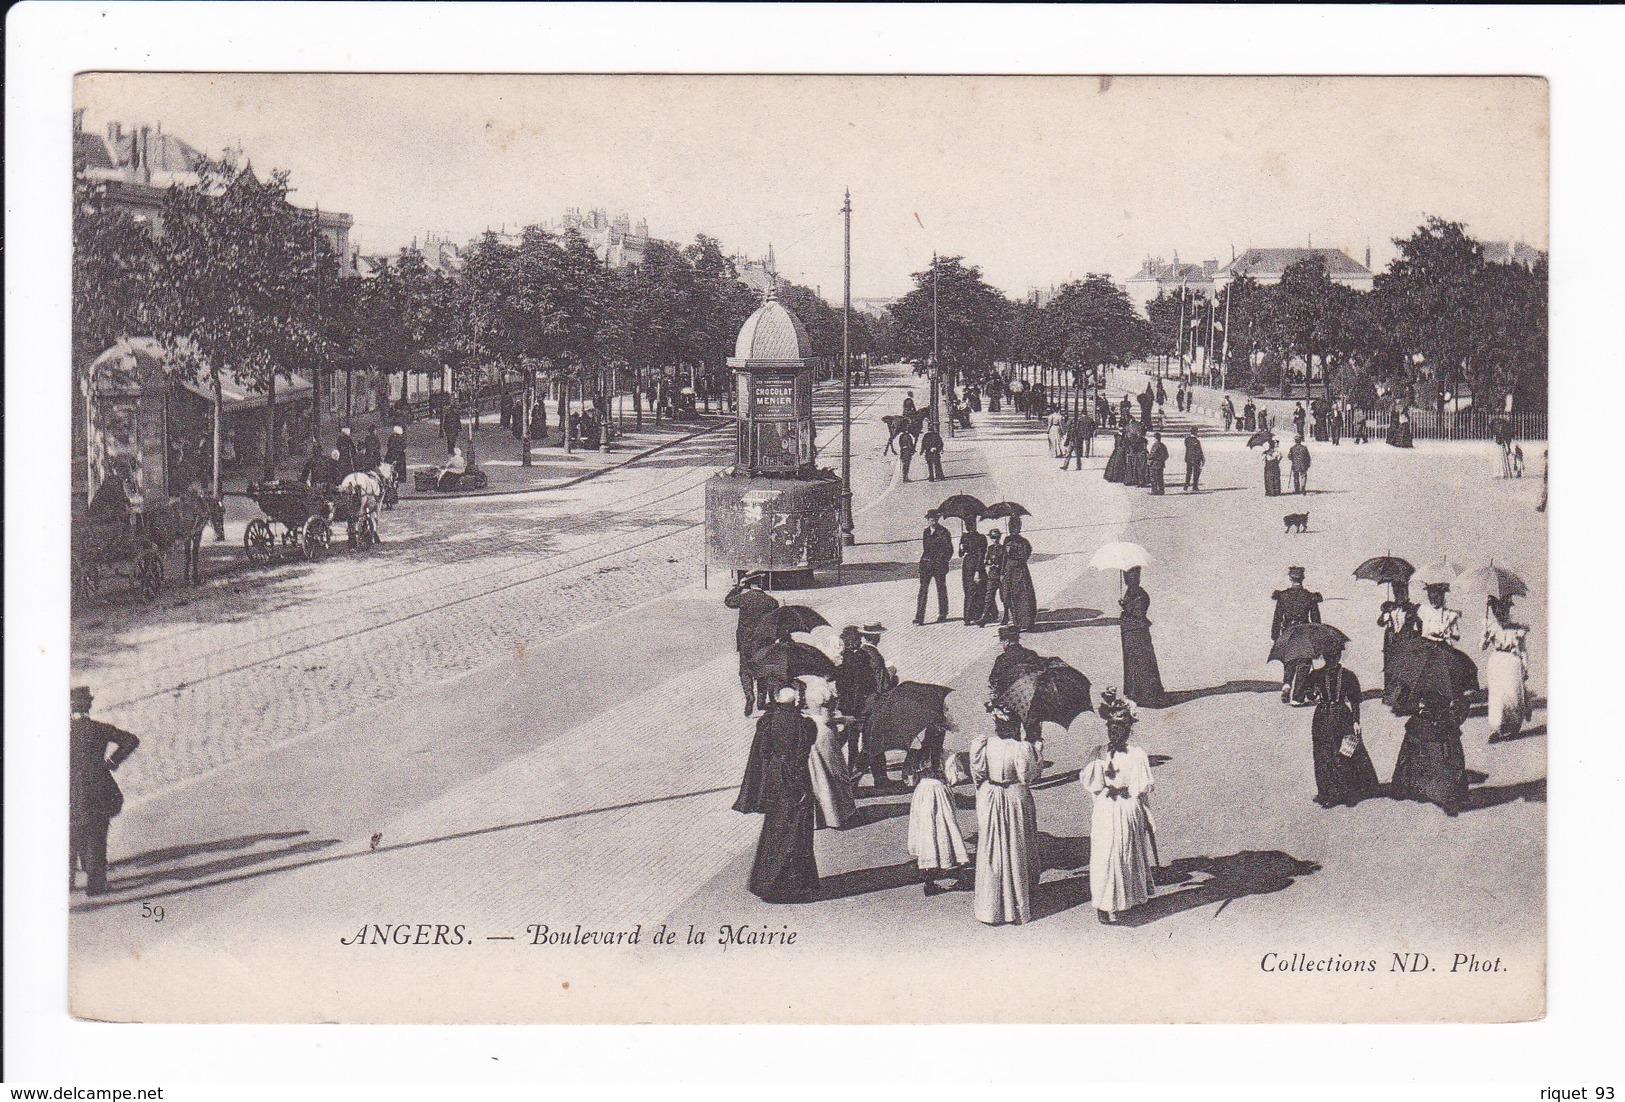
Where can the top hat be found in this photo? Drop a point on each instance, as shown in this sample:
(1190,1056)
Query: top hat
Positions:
(79,698)
(873,627)
(1296,573)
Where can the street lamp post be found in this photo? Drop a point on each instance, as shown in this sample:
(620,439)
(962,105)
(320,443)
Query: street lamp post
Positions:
(936,352)
(847,535)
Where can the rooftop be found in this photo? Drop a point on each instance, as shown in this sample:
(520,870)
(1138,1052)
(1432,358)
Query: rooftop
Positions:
(772,335)
(1272,262)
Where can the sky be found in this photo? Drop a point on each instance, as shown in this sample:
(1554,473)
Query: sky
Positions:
(1035,179)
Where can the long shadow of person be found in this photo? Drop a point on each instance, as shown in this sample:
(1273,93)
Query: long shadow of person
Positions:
(1185,696)
(845,885)
(1498,794)
(1051,897)
(1217,880)
(156,874)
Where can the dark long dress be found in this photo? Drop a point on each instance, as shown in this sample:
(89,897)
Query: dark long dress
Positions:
(1020,599)
(1338,780)
(1272,477)
(973,574)
(1395,644)
(749,800)
(785,870)
(1117,464)
(1431,765)
(1138,472)
(1142,680)
(995,585)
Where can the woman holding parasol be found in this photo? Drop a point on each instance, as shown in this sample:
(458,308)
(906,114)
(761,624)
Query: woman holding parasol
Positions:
(1020,598)
(1401,625)
(1507,672)
(1432,767)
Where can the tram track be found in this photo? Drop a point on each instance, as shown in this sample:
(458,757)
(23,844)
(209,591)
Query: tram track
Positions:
(386,614)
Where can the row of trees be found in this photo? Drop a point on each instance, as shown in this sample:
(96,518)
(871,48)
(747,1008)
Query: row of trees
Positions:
(237,282)
(1441,321)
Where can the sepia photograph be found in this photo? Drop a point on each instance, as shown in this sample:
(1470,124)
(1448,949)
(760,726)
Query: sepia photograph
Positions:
(808,549)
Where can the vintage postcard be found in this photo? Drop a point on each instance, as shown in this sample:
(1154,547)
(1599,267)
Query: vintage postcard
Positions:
(813,549)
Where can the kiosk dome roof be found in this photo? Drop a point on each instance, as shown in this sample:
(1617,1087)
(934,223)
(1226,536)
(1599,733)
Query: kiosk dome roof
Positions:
(772,335)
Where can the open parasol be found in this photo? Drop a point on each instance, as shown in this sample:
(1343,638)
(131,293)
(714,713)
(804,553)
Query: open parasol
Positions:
(1386,569)
(1306,642)
(1052,693)
(1120,556)
(1440,572)
(1006,509)
(1260,438)
(900,713)
(962,507)
(781,663)
(1427,667)
(1496,581)
(789,619)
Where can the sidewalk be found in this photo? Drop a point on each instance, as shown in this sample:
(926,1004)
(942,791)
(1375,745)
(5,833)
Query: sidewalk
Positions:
(499,455)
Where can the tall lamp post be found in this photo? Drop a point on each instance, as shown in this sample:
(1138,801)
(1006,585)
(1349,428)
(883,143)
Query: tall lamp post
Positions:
(847,535)
(936,351)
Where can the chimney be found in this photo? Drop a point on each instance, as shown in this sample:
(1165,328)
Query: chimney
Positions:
(1368,258)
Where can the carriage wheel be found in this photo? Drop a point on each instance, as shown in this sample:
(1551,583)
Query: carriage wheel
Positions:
(366,532)
(258,543)
(149,572)
(315,538)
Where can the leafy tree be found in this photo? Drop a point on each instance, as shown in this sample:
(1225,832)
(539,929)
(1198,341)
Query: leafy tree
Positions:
(404,316)
(973,319)
(1090,324)
(1430,296)
(114,264)
(239,279)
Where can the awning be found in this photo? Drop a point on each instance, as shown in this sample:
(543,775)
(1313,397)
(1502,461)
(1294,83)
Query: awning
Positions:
(237,397)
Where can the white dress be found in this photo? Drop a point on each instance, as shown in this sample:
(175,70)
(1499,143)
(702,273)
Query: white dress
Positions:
(1120,858)
(933,834)
(1442,625)
(1055,434)
(1507,673)
(1007,826)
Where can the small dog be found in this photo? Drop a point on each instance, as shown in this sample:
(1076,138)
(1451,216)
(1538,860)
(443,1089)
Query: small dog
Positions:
(1300,521)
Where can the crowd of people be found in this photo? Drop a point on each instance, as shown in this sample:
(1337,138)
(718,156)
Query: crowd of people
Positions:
(815,743)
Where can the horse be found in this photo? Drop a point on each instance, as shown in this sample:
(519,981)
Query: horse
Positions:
(183,520)
(366,490)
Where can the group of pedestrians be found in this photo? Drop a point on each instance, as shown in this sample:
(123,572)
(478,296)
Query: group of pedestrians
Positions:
(1298,461)
(1142,461)
(814,744)
(996,580)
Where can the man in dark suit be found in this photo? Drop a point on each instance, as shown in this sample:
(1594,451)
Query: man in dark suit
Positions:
(451,424)
(1194,459)
(754,605)
(93,796)
(1298,456)
(936,555)
(1074,438)
(1294,605)
(905,449)
(1013,661)
(931,446)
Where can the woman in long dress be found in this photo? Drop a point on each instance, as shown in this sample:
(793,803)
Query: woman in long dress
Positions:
(1401,627)
(1508,669)
(1054,422)
(1272,469)
(784,870)
(1138,471)
(831,778)
(1431,765)
(1117,463)
(991,613)
(1020,599)
(934,840)
(1142,679)
(1343,770)
(1003,767)
(751,786)
(1121,854)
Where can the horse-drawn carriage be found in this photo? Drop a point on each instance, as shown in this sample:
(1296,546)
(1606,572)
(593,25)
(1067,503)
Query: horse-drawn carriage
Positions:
(306,515)
(132,514)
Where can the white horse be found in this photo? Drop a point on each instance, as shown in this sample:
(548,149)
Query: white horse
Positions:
(367,488)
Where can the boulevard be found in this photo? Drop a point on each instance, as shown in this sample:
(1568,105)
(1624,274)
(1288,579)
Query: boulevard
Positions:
(523,711)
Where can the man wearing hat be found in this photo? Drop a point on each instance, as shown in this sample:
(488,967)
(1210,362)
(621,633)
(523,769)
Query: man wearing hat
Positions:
(1298,457)
(349,455)
(395,456)
(93,796)
(753,604)
(1012,661)
(1194,461)
(936,555)
(1294,605)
